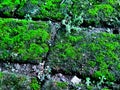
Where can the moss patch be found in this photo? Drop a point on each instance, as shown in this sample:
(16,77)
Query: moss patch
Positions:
(55,85)
(17,82)
(96,55)
(41,9)
(94,13)
(23,40)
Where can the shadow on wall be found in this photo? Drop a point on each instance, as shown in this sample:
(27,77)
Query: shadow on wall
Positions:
(116,31)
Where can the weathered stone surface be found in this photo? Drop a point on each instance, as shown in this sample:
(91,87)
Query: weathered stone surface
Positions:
(75,80)
(92,55)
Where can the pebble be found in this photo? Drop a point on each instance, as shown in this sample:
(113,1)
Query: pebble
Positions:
(75,80)
(60,77)
(34,68)
(17,66)
(13,70)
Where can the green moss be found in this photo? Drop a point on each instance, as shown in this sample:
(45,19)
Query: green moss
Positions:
(105,89)
(118,66)
(109,76)
(34,84)
(1,74)
(51,9)
(90,87)
(106,8)
(70,52)
(55,85)
(7,7)
(93,56)
(34,1)
(92,63)
(62,85)
(94,12)
(19,39)
(14,81)
(74,38)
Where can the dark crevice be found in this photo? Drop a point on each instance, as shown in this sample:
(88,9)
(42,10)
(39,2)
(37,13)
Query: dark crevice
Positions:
(16,16)
(116,31)
(4,16)
(34,62)
(53,32)
(85,24)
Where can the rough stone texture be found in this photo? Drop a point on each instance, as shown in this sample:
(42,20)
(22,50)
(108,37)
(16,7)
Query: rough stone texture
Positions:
(24,69)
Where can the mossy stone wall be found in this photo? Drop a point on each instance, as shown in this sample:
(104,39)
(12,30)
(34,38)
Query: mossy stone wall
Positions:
(14,81)
(94,13)
(95,55)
